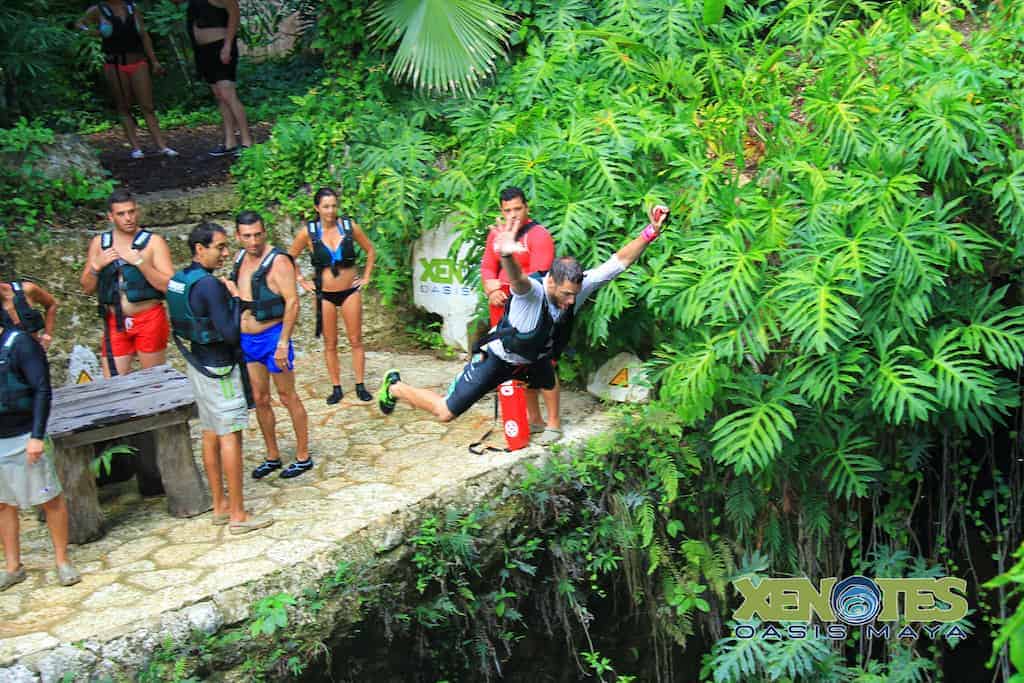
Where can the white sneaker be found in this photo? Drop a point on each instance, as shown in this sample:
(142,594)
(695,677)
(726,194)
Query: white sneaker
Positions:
(137,154)
(168,152)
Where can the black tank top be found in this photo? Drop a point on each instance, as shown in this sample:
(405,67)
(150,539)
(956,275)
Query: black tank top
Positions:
(201,14)
(125,36)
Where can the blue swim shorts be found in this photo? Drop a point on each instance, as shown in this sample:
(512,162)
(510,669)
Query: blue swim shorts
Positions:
(260,348)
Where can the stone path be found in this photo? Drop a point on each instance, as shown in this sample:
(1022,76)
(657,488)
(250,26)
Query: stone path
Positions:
(367,467)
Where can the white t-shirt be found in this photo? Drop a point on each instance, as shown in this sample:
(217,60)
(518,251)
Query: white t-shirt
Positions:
(525,310)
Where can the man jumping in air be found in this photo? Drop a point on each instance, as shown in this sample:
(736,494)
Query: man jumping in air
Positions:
(534,330)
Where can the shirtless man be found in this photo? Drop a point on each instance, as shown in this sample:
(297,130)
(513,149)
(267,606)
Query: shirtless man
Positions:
(128,269)
(265,277)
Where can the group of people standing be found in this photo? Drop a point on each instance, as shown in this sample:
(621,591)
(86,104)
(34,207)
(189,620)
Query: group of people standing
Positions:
(130,63)
(236,335)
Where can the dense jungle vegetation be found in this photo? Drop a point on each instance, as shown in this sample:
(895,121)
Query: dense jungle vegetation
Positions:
(833,322)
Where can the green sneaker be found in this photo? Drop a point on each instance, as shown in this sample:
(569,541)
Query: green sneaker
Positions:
(384,398)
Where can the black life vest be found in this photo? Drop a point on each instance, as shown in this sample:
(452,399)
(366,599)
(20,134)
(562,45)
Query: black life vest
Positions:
(547,340)
(29,319)
(265,304)
(118,276)
(124,37)
(320,254)
(184,323)
(15,394)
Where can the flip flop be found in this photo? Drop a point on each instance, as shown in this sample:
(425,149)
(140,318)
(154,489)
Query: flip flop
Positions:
(538,428)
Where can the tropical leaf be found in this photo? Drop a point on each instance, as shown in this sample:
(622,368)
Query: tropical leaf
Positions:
(796,658)
(816,311)
(689,380)
(998,334)
(750,438)
(1008,194)
(739,659)
(841,115)
(847,468)
(900,389)
(830,379)
(443,44)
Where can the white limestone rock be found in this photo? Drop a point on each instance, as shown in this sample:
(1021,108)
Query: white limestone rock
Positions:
(18,674)
(83,365)
(621,379)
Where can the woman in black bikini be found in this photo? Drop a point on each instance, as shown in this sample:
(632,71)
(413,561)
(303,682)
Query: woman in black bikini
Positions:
(126,47)
(331,241)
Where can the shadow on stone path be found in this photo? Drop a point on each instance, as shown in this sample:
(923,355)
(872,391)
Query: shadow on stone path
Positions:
(368,466)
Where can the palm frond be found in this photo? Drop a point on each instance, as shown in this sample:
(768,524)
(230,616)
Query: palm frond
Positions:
(443,44)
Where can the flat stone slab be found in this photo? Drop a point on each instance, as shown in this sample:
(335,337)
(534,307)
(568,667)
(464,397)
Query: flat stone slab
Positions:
(153,575)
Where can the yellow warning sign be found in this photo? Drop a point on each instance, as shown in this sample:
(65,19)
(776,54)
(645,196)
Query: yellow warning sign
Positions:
(621,378)
(83,377)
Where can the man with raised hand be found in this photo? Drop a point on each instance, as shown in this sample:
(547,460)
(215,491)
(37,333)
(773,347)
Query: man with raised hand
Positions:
(265,277)
(537,257)
(205,311)
(128,269)
(535,328)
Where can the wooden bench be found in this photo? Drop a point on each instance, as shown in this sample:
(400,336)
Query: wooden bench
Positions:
(156,401)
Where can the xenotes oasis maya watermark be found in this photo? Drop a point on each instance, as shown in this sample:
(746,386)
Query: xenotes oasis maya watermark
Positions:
(881,608)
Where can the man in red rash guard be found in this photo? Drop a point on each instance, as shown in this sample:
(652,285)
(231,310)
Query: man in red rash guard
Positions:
(537,257)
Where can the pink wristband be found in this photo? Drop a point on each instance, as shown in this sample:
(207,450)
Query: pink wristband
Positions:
(650,233)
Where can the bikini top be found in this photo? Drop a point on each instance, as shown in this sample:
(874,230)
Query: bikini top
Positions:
(202,14)
(124,34)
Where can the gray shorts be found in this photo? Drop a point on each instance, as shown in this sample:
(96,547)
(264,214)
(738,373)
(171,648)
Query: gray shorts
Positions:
(221,402)
(22,484)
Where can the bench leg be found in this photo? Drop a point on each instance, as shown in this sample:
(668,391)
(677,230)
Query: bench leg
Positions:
(187,493)
(85,519)
(147,470)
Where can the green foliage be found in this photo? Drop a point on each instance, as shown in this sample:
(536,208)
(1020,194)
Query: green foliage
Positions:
(271,614)
(40,59)
(102,463)
(834,313)
(1010,636)
(30,199)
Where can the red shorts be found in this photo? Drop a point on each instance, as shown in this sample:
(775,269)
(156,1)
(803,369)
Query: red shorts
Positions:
(128,69)
(146,332)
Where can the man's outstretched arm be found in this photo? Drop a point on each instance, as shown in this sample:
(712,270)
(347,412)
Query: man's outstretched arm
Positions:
(631,252)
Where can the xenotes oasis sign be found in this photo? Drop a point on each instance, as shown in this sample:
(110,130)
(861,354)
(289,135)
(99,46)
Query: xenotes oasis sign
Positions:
(883,607)
(440,283)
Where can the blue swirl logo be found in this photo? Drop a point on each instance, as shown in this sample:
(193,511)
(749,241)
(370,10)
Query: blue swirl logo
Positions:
(856,600)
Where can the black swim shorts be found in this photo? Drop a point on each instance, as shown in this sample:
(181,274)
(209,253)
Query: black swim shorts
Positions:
(208,64)
(485,371)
